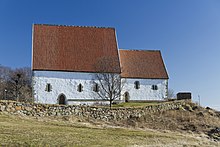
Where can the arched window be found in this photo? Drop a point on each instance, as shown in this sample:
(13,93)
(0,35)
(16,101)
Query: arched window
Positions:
(154,87)
(80,88)
(136,84)
(96,87)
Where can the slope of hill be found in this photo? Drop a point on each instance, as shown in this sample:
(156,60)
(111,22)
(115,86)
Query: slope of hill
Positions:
(72,131)
(189,125)
(190,117)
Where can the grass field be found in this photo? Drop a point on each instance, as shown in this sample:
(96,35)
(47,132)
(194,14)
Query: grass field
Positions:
(23,131)
(134,104)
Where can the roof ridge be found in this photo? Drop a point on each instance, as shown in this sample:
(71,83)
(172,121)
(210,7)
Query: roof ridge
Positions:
(75,26)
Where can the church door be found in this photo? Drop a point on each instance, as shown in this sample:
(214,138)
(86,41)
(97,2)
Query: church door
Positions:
(126,95)
(62,99)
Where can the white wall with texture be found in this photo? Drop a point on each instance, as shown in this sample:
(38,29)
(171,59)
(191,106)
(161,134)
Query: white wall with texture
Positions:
(145,92)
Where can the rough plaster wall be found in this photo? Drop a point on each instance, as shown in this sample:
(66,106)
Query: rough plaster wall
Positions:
(145,91)
(66,83)
(62,83)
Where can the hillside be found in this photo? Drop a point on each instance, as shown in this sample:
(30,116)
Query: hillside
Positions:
(190,125)
(188,118)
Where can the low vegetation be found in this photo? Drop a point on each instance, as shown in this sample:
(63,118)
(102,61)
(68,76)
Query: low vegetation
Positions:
(71,131)
(134,104)
(190,118)
(190,125)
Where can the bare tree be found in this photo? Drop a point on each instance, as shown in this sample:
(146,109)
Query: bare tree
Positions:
(171,93)
(108,79)
(16,84)
(4,77)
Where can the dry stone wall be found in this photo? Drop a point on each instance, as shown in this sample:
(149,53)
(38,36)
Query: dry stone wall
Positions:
(98,113)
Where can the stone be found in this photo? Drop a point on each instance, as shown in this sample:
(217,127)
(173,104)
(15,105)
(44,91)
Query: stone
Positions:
(17,108)
(2,108)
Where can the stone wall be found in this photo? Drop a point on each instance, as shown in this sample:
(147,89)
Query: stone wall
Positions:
(98,113)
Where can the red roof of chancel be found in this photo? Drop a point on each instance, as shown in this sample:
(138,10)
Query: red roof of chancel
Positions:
(73,48)
(142,64)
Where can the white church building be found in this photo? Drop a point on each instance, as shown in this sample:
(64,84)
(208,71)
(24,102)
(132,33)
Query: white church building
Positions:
(64,59)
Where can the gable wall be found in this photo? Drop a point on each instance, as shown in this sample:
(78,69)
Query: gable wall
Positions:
(145,91)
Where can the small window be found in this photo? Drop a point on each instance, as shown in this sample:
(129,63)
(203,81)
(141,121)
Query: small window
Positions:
(136,84)
(96,87)
(48,87)
(154,87)
(80,88)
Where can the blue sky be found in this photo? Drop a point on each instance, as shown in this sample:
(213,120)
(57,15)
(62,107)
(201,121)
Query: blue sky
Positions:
(186,31)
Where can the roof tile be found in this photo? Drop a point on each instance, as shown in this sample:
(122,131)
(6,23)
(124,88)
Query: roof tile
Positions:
(142,64)
(70,48)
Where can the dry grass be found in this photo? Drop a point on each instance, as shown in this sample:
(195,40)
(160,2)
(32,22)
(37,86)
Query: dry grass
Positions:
(189,118)
(70,131)
(176,121)
(134,104)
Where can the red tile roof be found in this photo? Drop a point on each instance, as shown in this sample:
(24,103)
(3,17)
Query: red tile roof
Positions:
(72,48)
(142,64)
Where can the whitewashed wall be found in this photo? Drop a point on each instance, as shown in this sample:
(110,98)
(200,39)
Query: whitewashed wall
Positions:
(66,83)
(63,83)
(145,91)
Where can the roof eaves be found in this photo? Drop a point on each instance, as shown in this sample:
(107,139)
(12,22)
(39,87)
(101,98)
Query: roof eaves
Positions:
(142,50)
(143,77)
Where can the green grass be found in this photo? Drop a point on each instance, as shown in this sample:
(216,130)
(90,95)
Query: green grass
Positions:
(17,131)
(134,104)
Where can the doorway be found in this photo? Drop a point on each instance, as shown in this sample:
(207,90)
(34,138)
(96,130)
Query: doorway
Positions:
(62,99)
(127,97)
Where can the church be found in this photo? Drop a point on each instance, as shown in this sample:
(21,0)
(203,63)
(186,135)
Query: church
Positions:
(64,60)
